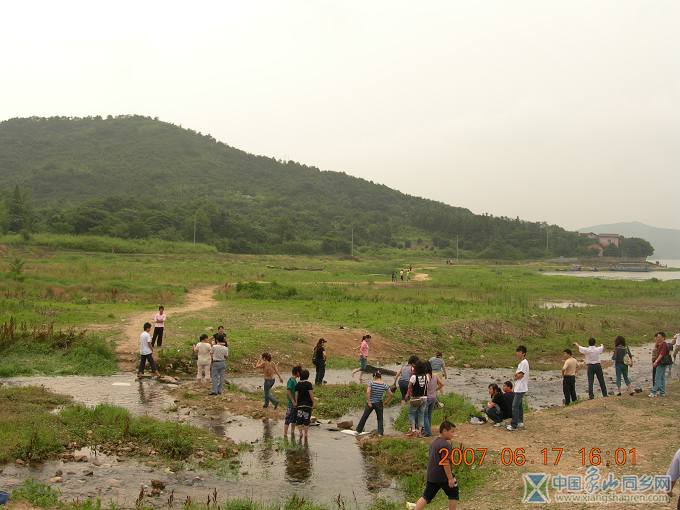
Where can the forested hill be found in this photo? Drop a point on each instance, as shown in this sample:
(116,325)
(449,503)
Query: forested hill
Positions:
(136,177)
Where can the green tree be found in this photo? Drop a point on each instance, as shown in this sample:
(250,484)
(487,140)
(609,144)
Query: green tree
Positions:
(636,247)
(611,251)
(19,212)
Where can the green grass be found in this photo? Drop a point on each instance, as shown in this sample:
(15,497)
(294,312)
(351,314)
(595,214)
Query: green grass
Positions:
(37,494)
(29,431)
(456,409)
(41,350)
(406,460)
(476,313)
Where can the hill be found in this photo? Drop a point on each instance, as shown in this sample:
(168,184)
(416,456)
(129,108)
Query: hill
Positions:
(666,241)
(136,177)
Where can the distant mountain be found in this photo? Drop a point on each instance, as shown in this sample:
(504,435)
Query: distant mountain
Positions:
(666,241)
(136,177)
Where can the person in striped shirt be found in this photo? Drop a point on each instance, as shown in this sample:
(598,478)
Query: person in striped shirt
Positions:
(375,392)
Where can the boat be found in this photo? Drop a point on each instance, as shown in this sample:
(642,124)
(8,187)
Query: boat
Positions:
(631,268)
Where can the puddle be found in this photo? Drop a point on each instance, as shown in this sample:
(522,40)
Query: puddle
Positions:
(548,305)
(619,275)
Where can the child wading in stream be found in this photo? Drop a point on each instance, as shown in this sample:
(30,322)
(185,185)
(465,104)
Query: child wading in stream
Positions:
(304,398)
(439,473)
(146,352)
(291,411)
(268,370)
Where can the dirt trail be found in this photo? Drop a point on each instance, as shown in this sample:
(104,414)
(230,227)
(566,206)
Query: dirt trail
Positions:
(127,346)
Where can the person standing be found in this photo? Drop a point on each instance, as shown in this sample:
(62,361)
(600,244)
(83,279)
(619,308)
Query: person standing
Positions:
(363,357)
(291,413)
(375,393)
(146,352)
(319,361)
(434,386)
(592,355)
(220,336)
(220,353)
(439,474)
(438,365)
(417,397)
(661,363)
(203,350)
(622,358)
(508,397)
(569,377)
(159,327)
(401,274)
(268,370)
(521,387)
(394,277)
(404,375)
(304,398)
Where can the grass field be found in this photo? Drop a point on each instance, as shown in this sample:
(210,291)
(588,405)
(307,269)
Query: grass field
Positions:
(476,314)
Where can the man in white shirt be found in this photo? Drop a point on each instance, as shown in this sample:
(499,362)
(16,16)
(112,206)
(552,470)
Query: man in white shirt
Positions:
(521,387)
(592,354)
(146,352)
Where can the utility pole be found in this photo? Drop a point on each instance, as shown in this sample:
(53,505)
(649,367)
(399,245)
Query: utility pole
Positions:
(546,238)
(352,242)
(457,249)
(195,226)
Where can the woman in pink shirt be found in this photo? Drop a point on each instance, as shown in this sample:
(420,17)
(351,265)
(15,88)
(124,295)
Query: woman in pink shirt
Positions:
(363,357)
(159,325)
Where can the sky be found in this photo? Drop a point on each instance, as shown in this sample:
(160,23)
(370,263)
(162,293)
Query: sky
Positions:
(559,111)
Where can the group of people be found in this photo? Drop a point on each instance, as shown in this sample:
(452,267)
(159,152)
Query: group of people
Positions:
(404,274)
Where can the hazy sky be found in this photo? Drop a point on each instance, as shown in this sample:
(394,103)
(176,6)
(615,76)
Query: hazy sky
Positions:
(565,111)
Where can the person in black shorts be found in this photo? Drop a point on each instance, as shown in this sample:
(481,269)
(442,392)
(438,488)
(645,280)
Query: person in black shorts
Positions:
(304,399)
(439,474)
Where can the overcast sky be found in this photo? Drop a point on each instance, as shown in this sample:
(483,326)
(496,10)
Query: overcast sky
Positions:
(564,111)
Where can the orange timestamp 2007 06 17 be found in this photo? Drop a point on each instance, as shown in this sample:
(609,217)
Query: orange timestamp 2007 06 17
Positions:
(552,456)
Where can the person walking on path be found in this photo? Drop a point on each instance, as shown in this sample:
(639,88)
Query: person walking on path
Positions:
(623,359)
(291,413)
(394,277)
(438,365)
(363,357)
(220,336)
(304,399)
(662,362)
(159,327)
(319,361)
(592,354)
(434,386)
(220,353)
(439,474)
(203,350)
(404,375)
(417,397)
(521,388)
(375,392)
(268,370)
(146,352)
(569,377)
(494,407)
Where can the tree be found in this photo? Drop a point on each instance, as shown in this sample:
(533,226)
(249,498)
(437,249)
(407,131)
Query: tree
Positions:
(636,248)
(20,218)
(611,251)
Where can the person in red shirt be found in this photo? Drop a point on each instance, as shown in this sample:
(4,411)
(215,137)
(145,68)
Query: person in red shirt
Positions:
(661,363)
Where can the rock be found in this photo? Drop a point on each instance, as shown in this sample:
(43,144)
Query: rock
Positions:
(96,462)
(345,425)
(19,462)
(155,492)
(80,457)
(158,484)
(88,472)
(56,479)
(58,472)
(167,379)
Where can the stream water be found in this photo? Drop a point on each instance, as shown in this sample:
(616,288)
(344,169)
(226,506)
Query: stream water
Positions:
(331,465)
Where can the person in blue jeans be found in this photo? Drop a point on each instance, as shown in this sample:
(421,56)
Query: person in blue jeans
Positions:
(417,398)
(521,387)
(268,370)
(375,393)
(434,385)
(662,362)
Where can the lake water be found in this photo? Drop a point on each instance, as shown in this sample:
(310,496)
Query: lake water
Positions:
(627,275)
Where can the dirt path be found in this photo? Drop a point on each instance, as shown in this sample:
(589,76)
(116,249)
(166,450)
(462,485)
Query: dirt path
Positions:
(127,346)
